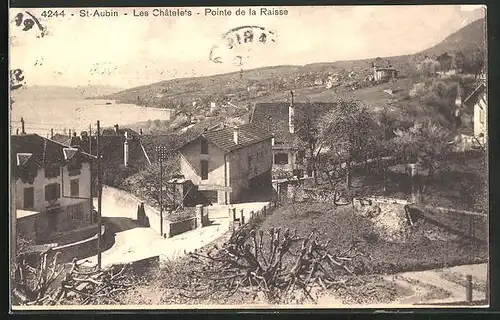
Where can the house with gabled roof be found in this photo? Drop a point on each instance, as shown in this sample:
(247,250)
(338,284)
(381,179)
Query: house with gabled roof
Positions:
(52,186)
(383,71)
(122,152)
(280,118)
(225,163)
(479,101)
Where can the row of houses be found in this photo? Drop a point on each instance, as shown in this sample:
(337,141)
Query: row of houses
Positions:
(52,178)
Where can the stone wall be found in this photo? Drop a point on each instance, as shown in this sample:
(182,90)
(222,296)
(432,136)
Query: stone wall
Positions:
(176,228)
(117,199)
(76,235)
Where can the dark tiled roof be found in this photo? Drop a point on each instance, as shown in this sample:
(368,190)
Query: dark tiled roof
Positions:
(224,138)
(61,138)
(385,69)
(112,150)
(472,98)
(274,117)
(444,56)
(248,134)
(121,132)
(200,127)
(43,151)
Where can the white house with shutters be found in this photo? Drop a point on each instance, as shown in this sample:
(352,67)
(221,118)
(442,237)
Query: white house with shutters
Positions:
(479,101)
(51,185)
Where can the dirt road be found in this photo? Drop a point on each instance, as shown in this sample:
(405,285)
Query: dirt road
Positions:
(133,242)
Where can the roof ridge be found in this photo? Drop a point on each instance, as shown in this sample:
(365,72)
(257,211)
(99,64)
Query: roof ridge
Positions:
(63,145)
(482,84)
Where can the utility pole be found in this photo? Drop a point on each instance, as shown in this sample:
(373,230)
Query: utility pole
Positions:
(161,152)
(90,138)
(99,198)
(22,126)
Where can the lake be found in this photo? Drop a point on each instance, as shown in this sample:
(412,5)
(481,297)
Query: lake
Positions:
(77,114)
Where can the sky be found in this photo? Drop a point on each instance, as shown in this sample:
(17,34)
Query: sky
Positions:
(128,51)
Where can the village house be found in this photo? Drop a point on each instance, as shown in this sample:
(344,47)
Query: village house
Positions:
(384,74)
(52,187)
(225,163)
(479,101)
(289,152)
(445,63)
(122,153)
(383,71)
(119,145)
(123,147)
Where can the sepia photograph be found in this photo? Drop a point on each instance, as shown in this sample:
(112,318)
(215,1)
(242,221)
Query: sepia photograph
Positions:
(248,157)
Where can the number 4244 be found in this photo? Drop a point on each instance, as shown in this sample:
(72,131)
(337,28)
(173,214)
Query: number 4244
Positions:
(53,13)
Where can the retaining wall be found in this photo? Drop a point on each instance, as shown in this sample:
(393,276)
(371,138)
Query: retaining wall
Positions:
(79,250)
(76,235)
(117,199)
(176,228)
(121,200)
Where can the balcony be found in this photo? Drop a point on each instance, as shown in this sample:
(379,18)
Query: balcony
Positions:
(53,204)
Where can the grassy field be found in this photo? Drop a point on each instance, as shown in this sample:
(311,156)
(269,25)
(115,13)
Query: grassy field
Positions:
(461,185)
(344,227)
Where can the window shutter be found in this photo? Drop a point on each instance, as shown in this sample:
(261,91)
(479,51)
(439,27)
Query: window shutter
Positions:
(47,193)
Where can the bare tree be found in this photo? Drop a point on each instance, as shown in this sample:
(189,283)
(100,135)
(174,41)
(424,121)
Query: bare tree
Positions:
(32,284)
(276,264)
(308,130)
(147,181)
(350,130)
(427,143)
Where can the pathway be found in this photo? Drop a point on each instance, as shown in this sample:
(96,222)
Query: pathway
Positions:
(133,243)
(432,287)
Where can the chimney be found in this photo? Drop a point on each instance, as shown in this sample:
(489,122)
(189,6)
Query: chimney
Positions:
(125,153)
(69,133)
(51,133)
(291,112)
(236,134)
(75,140)
(116,128)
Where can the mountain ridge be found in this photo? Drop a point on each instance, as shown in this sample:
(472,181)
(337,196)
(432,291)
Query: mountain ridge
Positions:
(168,93)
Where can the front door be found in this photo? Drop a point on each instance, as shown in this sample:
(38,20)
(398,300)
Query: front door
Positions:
(53,218)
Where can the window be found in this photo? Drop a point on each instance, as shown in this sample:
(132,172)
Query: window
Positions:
(481,115)
(29,198)
(204,170)
(52,171)
(281,158)
(300,157)
(52,191)
(250,158)
(204,146)
(75,188)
